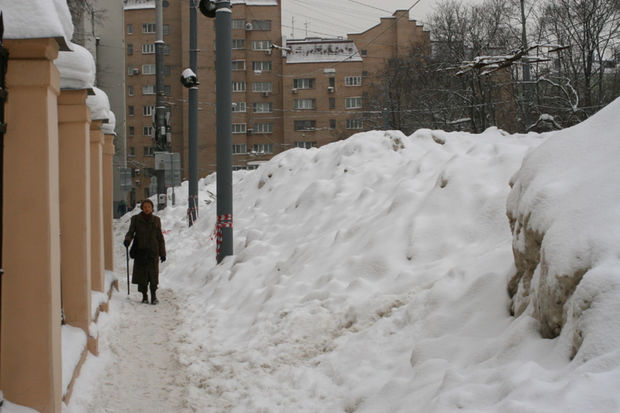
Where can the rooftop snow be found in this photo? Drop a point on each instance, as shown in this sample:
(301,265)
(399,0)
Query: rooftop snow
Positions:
(313,51)
(37,19)
(138,4)
(256,2)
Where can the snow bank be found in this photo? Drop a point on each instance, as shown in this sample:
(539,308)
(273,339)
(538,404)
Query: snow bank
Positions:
(565,218)
(73,345)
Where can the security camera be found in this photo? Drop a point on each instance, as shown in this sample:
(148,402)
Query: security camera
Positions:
(189,78)
(207,7)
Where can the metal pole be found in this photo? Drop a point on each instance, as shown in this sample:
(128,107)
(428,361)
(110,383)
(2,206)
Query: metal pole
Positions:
(526,69)
(223,70)
(192,203)
(160,109)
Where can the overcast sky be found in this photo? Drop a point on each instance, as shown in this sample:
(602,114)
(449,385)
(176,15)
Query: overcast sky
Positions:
(327,18)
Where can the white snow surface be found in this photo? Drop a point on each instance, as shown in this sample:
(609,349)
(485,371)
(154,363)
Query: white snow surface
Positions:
(108,128)
(31,19)
(99,105)
(77,68)
(368,275)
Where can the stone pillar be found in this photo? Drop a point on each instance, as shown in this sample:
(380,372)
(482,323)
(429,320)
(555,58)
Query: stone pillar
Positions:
(74,130)
(96,206)
(108,200)
(30,351)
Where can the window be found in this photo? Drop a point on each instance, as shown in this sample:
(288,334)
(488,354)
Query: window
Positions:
(131,131)
(305,144)
(238,44)
(262,86)
(238,128)
(353,81)
(130,110)
(354,124)
(131,151)
(148,69)
(238,86)
(261,25)
(166,70)
(262,66)
(130,29)
(263,107)
(238,107)
(129,90)
(303,83)
(148,48)
(353,103)
(148,110)
(239,148)
(148,27)
(305,125)
(129,49)
(332,82)
(167,90)
(166,50)
(332,103)
(166,29)
(304,104)
(332,123)
(132,70)
(149,151)
(364,52)
(261,44)
(238,65)
(262,148)
(264,128)
(238,24)
(148,131)
(148,89)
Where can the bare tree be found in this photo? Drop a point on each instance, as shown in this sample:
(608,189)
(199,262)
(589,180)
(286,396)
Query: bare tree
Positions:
(590,29)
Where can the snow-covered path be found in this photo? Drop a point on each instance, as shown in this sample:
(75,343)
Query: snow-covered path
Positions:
(139,371)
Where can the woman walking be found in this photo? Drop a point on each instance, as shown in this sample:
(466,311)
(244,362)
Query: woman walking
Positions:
(147,249)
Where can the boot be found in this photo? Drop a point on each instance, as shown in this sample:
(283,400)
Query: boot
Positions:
(145,298)
(154,299)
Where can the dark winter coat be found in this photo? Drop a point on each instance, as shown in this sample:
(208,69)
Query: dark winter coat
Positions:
(149,247)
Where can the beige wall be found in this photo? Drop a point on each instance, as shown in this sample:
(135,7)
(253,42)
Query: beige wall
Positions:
(30,357)
(74,131)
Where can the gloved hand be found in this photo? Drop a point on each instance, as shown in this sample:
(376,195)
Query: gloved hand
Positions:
(163,259)
(126,243)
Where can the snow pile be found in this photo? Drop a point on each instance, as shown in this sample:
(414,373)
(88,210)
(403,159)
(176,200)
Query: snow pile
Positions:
(370,276)
(565,214)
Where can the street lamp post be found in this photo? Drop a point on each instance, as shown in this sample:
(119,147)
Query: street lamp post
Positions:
(220,9)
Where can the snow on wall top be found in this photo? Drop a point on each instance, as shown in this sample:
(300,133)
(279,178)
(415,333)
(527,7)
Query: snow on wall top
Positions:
(108,128)
(77,68)
(323,50)
(36,19)
(138,4)
(99,105)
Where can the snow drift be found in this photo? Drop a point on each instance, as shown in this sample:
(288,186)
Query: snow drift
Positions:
(564,211)
(370,275)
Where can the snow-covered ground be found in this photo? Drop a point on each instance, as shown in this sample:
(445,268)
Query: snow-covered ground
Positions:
(371,275)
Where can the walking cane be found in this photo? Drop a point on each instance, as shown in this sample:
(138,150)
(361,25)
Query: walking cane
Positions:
(127,256)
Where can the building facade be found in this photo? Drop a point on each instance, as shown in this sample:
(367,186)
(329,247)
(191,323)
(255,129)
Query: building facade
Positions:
(285,93)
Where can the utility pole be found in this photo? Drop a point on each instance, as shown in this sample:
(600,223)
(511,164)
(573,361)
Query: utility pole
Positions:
(192,203)
(220,9)
(160,110)
(527,96)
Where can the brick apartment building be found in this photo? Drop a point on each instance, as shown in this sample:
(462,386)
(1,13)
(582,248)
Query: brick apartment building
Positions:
(286,93)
